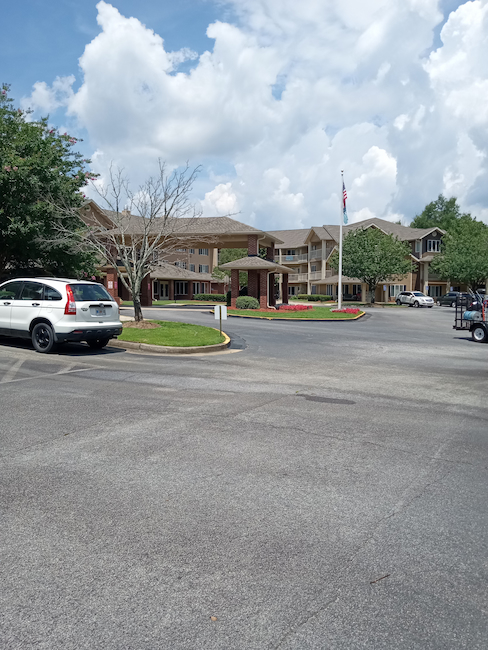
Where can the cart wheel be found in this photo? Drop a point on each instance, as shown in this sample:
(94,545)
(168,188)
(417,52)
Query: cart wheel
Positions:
(479,334)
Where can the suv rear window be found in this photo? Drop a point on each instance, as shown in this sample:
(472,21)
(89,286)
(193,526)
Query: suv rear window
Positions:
(86,292)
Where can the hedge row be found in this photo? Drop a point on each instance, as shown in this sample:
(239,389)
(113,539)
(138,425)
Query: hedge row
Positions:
(212,297)
(314,297)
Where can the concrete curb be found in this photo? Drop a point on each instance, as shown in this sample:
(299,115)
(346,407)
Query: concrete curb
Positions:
(167,349)
(300,320)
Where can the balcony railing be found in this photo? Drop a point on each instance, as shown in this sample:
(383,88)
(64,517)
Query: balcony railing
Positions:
(297,277)
(291,258)
(315,275)
(316,255)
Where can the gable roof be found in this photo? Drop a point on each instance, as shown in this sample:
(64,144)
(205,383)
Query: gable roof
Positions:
(291,238)
(404,233)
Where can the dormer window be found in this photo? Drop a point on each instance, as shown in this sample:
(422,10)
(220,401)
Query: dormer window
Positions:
(418,246)
(433,245)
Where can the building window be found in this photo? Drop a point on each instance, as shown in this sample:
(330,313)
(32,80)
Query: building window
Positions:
(418,246)
(314,247)
(203,251)
(313,268)
(192,251)
(181,250)
(433,245)
(435,291)
(192,267)
(203,268)
(356,289)
(181,288)
(292,291)
(394,289)
(314,289)
(291,251)
(181,265)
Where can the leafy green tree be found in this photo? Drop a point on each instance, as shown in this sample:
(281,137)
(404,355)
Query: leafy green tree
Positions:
(442,213)
(373,257)
(41,181)
(464,254)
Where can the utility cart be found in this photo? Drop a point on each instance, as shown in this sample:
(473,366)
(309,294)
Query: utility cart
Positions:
(471,315)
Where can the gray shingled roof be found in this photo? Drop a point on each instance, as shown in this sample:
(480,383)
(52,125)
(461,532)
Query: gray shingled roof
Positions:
(256,263)
(291,238)
(404,233)
(166,271)
(208,226)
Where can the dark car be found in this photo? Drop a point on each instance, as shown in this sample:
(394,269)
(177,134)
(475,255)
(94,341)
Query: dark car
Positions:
(449,300)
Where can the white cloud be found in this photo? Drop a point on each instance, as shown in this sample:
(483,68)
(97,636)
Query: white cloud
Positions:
(45,99)
(288,96)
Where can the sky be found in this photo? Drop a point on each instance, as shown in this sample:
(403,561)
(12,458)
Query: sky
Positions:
(273,98)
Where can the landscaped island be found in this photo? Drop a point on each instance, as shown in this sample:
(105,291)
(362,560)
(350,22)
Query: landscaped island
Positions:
(310,313)
(170,334)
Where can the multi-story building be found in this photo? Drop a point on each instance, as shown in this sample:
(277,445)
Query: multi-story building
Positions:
(308,251)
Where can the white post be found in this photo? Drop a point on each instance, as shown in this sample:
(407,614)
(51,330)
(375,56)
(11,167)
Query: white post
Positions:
(339,286)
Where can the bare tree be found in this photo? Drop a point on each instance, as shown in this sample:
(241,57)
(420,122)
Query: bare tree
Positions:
(145,227)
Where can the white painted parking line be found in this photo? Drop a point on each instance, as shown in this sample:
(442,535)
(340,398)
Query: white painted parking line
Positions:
(63,371)
(11,372)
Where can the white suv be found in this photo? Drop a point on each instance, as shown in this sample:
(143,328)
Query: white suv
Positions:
(414,299)
(51,310)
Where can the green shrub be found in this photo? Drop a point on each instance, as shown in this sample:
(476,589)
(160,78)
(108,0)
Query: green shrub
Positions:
(211,297)
(247,302)
(314,297)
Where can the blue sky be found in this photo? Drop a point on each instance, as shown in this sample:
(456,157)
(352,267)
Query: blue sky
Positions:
(286,95)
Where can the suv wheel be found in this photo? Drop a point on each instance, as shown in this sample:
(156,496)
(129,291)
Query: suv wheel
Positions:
(416,304)
(398,302)
(478,334)
(438,303)
(98,344)
(453,304)
(43,338)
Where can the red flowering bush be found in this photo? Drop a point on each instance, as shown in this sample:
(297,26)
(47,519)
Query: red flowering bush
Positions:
(294,307)
(346,310)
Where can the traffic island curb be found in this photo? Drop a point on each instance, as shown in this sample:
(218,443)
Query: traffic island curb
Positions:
(167,349)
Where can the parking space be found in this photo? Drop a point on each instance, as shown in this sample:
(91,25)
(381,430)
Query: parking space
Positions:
(273,490)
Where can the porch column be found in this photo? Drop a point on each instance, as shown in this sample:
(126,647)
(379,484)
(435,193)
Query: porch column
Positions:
(271,290)
(425,287)
(263,289)
(284,289)
(146,291)
(252,245)
(252,284)
(171,290)
(234,287)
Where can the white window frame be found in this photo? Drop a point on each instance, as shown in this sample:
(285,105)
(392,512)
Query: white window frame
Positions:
(203,251)
(203,268)
(433,245)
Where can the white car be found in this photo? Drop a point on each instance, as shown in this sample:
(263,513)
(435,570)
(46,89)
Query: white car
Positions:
(414,299)
(51,311)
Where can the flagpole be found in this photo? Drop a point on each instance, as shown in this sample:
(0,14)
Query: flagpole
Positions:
(339,288)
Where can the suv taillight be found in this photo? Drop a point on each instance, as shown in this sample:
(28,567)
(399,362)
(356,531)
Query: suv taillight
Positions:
(71,304)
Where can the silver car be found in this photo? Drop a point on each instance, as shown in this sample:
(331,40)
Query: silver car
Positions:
(414,299)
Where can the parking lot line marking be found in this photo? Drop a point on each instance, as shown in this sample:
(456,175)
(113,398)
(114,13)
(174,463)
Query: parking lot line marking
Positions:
(11,372)
(50,374)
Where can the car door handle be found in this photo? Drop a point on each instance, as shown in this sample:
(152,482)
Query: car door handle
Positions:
(36,304)
(6,303)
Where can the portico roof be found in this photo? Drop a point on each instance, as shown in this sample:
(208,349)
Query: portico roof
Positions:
(254,263)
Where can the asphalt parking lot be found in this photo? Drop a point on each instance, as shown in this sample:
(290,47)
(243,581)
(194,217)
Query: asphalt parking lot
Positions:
(319,485)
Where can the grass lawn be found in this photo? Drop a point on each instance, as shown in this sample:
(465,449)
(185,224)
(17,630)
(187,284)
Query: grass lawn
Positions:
(315,312)
(179,335)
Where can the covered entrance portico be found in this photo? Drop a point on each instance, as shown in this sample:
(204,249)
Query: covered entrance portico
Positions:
(261,279)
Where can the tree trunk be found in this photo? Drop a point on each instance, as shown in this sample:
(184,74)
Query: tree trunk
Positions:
(137,309)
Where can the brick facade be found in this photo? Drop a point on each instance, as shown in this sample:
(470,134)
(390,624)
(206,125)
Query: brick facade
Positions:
(252,245)
(234,282)
(284,289)
(263,289)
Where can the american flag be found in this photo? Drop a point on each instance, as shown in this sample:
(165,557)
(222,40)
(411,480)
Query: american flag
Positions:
(344,197)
